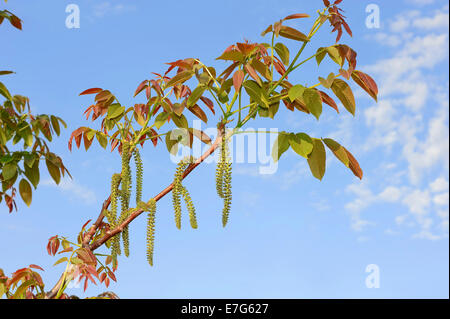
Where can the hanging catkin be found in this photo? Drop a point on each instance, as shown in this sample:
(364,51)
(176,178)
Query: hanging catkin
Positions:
(223,179)
(179,190)
(190,206)
(111,215)
(126,176)
(139,175)
(151,209)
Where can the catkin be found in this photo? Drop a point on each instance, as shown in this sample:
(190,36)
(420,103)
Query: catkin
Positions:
(223,180)
(219,170)
(227,194)
(151,209)
(111,215)
(190,207)
(126,176)
(139,175)
(179,190)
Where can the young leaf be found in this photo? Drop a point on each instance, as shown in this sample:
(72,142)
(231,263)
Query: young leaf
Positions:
(295,92)
(313,102)
(53,170)
(366,83)
(180,121)
(280,146)
(180,78)
(233,55)
(317,159)
(238,77)
(115,110)
(343,91)
(293,34)
(337,150)
(256,93)
(283,52)
(25,191)
(91,91)
(301,143)
(195,95)
(161,119)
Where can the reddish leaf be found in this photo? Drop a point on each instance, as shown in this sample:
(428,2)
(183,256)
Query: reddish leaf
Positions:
(328,100)
(296,16)
(238,78)
(141,86)
(208,103)
(293,34)
(36,267)
(354,165)
(366,83)
(91,91)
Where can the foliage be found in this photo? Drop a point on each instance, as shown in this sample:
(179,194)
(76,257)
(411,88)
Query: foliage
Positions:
(257,72)
(19,125)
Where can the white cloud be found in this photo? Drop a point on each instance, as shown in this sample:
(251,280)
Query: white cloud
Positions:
(420,2)
(438,21)
(106,8)
(73,190)
(440,184)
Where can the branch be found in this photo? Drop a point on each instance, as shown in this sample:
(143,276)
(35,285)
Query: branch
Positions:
(52,293)
(164,192)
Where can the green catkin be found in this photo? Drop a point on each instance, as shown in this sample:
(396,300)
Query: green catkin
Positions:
(190,206)
(225,182)
(125,232)
(126,241)
(111,215)
(178,191)
(126,177)
(227,194)
(139,175)
(151,209)
(219,176)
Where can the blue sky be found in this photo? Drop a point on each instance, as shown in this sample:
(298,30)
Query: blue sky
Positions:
(289,236)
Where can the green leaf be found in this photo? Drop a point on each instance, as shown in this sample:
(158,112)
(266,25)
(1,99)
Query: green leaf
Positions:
(320,54)
(180,78)
(317,159)
(180,121)
(280,146)
(161,119)
(283,52)
(344,93)
(195,95)
(334,54)
(295,92)
(102,139)
(55,124)
(9,171)
(20,292)
(337,150)
(115,110)
(301,143)
(4,91)
(232,55)
(313,102)
(25,191)
(61,260)
(53,170)
(172,145)
(178,108)
(32,173)
(256,93)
